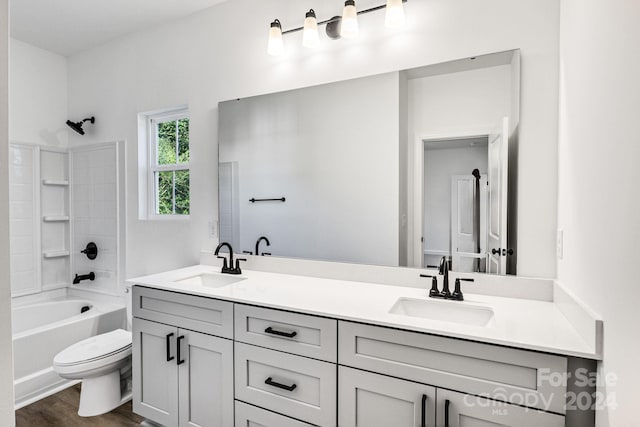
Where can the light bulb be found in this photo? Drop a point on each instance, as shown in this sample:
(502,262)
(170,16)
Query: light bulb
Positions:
(394,17)
(276,45)
(349,28)
(310,36)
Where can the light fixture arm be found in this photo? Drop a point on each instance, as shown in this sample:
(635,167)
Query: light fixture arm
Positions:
(338,18)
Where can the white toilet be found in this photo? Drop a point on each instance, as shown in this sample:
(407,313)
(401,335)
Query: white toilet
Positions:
(103,363)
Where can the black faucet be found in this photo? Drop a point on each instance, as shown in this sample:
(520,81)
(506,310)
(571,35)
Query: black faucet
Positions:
(443,270)
(257,252)
(229,268)
(81,277)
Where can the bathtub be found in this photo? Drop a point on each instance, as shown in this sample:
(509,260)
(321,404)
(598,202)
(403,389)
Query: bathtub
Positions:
(43,329)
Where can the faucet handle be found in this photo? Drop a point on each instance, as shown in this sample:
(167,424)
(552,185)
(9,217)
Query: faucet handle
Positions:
(433,292)
(224,264)
(247,252)
(238,264)
(457,292)
(266,253)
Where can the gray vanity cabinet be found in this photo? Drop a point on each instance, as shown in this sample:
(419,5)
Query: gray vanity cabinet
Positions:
(182,377)
(368,399)
(464,410)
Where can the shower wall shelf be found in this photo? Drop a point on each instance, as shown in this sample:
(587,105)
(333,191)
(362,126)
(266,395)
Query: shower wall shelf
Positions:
(55,218)
(55,254)
(56,182)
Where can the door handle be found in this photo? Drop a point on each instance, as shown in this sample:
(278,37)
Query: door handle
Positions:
(178,341)
(495,251)
(506,252)
(272,331)
(168,339)
(271,382)
(424,411)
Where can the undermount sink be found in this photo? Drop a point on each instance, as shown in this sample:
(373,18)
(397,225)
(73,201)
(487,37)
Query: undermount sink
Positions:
(444,311)
(211,280)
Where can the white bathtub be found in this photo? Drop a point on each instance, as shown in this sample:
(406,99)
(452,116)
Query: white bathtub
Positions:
(43,329)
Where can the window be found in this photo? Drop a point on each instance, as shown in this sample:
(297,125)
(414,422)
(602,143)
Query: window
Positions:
(167,154)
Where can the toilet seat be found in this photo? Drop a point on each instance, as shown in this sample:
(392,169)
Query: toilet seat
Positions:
(95,353)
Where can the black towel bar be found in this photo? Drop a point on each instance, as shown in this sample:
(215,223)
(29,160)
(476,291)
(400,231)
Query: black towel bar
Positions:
(253,200)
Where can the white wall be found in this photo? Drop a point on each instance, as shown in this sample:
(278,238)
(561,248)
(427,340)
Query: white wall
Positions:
(599,199)
(220,54)
(332,152)
(37,96)
(6,343)
(451,104)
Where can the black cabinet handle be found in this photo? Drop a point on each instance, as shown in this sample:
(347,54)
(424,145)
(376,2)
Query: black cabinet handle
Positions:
(272,331)
(424,411)
(169,356)
(271,382)
(180,360)
(446,412)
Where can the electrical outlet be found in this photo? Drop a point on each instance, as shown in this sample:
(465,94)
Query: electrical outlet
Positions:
(560,244)
(213,228)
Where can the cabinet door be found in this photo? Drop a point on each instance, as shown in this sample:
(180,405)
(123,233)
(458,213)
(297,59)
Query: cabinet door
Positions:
(206,380)
(464,410)
(372,400)
(155,379)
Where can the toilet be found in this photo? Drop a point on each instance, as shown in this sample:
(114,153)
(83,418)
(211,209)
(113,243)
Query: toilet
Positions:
(103,363)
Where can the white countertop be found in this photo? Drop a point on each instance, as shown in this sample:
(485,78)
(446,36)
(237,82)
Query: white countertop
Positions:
(520,323)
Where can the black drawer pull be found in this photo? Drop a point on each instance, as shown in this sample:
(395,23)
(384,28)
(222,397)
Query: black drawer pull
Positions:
(180,360)
(446,412)
(271,382)
(169,356)
(424,411)
(272,331)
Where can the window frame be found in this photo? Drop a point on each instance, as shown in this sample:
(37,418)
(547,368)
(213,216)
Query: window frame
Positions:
(153,168)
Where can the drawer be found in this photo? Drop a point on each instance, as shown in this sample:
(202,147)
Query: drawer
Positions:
(295,386)
(516,376)
(206,315)
(252,416)
(301,334)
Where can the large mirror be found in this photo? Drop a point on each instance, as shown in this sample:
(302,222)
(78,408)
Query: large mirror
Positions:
(396,169)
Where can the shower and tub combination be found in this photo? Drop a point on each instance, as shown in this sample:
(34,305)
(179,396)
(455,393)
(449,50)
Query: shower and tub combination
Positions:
(66,223)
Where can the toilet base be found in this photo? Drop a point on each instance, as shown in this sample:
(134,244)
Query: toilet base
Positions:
(101,394)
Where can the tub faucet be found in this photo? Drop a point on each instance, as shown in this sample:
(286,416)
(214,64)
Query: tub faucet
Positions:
(229,268)
(81,277)
(258,245)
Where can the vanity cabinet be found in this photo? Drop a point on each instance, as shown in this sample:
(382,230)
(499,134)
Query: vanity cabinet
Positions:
(181,377)
(203,362)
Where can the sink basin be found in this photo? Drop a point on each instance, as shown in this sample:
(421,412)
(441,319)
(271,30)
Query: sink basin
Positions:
(211,280)
(444,311)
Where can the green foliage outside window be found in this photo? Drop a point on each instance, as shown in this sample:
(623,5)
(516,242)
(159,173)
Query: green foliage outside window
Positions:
(173,186)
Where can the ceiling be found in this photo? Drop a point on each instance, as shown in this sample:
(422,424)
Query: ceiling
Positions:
(70,26)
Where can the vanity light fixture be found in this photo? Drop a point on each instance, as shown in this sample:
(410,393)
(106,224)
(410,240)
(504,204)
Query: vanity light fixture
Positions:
(395,14)
(345,26)
(276,45)
(349,28)
(310,36)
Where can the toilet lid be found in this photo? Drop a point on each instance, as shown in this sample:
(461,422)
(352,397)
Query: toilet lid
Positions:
(95,347)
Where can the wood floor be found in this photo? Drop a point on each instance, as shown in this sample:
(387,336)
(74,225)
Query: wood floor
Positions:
(61,409)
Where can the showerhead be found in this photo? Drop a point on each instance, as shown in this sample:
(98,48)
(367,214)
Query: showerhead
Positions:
(77,126)
(476,173)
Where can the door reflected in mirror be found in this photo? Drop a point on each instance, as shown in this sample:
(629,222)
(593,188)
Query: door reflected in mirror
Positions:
(397,169)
